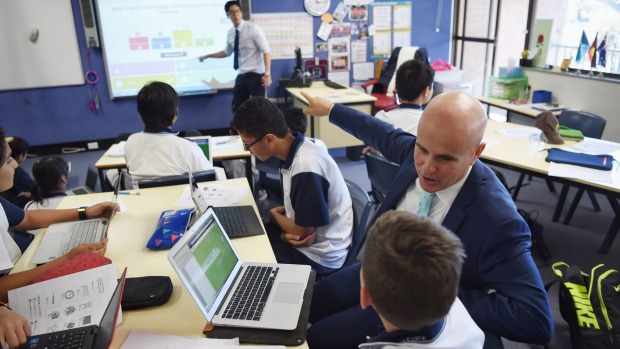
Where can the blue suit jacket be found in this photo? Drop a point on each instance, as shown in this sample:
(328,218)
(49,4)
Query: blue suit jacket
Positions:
(497,240)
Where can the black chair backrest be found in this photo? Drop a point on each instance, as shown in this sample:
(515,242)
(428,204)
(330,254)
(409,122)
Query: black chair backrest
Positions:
(381,173)
(362,206)
(589,124)
(202,176)
(92,177)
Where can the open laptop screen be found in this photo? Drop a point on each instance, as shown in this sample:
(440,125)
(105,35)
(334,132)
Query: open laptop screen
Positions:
(206,261)
(204,142)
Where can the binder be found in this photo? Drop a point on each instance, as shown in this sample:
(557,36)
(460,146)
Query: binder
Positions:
(598,162)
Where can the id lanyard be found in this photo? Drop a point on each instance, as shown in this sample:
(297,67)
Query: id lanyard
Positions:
(92,78)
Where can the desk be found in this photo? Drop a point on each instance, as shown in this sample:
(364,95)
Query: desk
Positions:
(320,127)
(220,152)
(511,109)
(524,156)
(128,234)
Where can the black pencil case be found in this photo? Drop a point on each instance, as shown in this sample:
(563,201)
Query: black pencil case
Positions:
(146,291)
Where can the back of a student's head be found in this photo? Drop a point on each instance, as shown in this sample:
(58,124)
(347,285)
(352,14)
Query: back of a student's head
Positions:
(411,269)
(158,104)
(258,117)
(48,175)
(296,120)
(412,77)
(19,148)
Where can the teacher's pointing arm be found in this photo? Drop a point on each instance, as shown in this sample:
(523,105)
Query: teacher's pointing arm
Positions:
(317,106)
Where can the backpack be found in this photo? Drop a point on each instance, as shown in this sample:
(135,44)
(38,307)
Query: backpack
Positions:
(590,304)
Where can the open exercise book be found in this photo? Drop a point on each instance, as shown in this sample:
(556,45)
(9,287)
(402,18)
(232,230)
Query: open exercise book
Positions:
(67,302)
(148,340)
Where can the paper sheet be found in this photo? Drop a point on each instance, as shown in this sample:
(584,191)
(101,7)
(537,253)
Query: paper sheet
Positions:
(580,172)
(358,52)
(71,301)
(324,30)
(596,146)
(228,142)
(363,71)
(148,340)
(519,132)
(116,150)
(215,195)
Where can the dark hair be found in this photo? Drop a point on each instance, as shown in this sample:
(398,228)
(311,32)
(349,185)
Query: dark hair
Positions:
(3,146)
(19,146)
(158,103)
(296,120)
(47,173)
(229,4)
(412,77)
(257,117)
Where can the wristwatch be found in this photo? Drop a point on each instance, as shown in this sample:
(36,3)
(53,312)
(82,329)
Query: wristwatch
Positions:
(82,213)
(267,73)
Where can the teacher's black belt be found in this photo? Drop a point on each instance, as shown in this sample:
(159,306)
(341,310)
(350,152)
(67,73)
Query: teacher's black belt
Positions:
(250,74)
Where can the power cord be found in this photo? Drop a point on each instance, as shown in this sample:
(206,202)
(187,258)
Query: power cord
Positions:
(71,150)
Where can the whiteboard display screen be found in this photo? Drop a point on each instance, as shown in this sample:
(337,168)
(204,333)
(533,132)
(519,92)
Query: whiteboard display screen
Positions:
(161,40)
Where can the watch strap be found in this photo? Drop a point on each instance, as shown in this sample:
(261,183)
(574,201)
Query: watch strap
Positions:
(82,213)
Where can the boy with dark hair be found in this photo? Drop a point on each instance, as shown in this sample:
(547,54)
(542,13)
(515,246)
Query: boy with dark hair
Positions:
(19,194)
(314,225)
(157,151)
(410,275)
(297,121)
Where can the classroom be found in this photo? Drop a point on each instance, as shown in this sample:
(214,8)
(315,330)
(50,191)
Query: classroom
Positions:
(75,87)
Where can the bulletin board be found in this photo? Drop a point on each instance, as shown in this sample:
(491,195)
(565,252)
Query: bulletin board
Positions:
(31,60)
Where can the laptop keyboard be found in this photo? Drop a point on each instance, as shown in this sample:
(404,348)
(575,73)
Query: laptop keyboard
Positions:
(68,340)
(232,220)
(79,233)
(248,301)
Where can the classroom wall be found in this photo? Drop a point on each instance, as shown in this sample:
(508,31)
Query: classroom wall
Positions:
(59,115)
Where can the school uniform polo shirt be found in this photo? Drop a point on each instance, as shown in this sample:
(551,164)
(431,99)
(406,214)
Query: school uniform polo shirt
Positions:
(11,215)
(316,195)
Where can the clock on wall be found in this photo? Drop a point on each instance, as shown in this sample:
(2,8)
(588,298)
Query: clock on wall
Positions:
(317,7)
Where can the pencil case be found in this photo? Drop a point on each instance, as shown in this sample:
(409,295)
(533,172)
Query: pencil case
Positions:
(171,226)
(598,162)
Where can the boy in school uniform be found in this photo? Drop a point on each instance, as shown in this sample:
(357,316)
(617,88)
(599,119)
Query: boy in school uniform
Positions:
(314,225)
(410,275)
(157,151)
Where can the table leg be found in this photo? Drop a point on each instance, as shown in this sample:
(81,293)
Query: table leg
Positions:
(102,181)
(613,228)
(560,204)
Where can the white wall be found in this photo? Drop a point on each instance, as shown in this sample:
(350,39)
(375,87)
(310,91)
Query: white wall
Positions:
(591,94)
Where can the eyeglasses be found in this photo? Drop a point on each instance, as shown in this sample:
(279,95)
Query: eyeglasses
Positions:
(247,146)
(233,12)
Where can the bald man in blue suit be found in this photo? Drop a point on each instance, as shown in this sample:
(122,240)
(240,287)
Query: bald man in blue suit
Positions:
(500,284)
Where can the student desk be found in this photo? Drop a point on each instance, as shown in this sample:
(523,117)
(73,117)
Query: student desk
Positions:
(128,234)
(223,149)
(320,127)
(511,109)
(523,155)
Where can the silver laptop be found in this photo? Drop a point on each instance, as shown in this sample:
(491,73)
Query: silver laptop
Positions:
(213,273)
(205,144)
(60,238)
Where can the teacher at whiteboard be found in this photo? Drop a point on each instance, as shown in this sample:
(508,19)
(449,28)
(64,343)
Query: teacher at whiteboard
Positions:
(248,45)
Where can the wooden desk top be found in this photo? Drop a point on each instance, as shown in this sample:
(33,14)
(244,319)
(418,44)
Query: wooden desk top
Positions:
(343,96)
(128,234)
(224,147)
(526,154)
(523,109)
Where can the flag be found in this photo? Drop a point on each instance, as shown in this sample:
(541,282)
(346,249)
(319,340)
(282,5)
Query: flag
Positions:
(582,48)
(592,52)
(602,52)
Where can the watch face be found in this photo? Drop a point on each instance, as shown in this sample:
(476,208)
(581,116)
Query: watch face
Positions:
(317,7)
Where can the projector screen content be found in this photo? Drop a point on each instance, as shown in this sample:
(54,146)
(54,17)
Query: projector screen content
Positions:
(161,40)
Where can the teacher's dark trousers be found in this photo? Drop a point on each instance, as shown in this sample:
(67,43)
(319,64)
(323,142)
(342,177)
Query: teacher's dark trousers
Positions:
(247,85)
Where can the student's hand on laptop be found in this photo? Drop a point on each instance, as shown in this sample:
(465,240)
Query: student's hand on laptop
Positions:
(317,106)
(14,328)
(297,241)
(102,209)
(97,247)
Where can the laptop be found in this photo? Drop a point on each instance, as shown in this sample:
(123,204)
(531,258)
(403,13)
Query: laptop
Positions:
(213,273)
(205,144)
(89,337)
(60,238)
(238,221)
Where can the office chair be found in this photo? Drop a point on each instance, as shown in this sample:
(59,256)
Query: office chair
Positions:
(379,90)
(591,126)
(202,176)
(362,206)
(381,173)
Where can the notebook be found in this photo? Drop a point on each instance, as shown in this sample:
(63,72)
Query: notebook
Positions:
(205,144)
(238,221)
(90,337)
(215,276)
(60,238)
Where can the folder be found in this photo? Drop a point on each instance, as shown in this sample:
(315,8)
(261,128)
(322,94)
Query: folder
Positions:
(598,162)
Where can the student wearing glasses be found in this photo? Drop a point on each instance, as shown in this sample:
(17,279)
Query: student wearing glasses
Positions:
(314,225)
(248,45)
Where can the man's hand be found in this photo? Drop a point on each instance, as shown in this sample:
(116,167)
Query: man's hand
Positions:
(97,247)
(370,149)
(296,241)
(14,328)
(317,106)
(266,80)
(202,58)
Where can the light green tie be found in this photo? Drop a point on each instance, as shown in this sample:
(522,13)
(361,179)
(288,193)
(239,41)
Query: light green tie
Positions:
(425,203)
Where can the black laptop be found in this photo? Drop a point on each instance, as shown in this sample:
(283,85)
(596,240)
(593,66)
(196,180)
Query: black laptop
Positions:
(89,337)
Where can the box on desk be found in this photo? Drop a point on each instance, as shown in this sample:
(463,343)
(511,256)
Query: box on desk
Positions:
(451,86)
(505,88)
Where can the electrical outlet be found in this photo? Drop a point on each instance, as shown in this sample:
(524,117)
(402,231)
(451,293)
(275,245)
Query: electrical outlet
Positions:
(92,145)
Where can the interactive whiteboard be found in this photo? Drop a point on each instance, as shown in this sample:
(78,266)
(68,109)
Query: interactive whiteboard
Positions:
(39,45)
(148,40)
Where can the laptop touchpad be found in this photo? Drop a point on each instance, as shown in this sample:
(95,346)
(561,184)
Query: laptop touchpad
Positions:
(288,292)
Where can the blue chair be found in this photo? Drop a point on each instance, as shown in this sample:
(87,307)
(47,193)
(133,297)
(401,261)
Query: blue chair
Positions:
(202,176)
(362,207)
(381,173)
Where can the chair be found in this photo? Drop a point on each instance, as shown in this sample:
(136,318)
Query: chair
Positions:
(362,206)
(91,182)
(268,177)
(379,91)
(591,126)
(202,176)
(381,173)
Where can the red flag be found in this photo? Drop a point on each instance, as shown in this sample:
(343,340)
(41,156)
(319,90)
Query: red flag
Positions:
(592,52)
